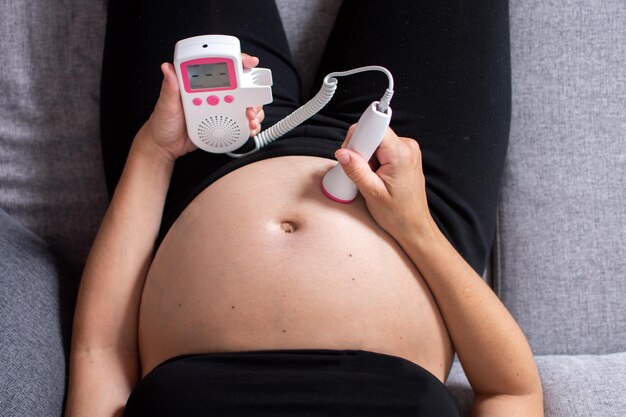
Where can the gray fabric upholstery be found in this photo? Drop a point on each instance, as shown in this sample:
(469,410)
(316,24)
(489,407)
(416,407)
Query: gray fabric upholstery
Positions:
(308,25)
(562,222)
(32,357)
(573,386)
(584,385)
(51,175)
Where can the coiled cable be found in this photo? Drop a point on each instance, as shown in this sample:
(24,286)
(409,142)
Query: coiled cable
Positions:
(310,108)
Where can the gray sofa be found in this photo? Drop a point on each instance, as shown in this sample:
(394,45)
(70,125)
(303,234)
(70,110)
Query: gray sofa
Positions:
(559,259)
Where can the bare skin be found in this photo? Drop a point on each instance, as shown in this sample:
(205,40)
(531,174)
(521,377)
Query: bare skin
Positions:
(292,270)
(262,260)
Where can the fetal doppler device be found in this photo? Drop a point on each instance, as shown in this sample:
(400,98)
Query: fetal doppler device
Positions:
(216,90)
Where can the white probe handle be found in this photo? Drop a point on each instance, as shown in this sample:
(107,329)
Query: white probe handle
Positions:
(367,136)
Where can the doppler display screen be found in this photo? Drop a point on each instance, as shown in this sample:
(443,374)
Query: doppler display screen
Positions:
(203,76)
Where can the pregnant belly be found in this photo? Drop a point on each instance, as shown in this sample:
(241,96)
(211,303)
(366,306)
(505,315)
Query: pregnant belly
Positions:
(261,259)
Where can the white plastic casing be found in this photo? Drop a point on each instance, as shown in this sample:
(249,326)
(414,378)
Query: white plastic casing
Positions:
(368,134)
(216,90)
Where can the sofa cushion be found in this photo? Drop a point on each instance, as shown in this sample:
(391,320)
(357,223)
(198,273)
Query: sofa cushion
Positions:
(561,265)
(51,175)
(307,24)
(34,325)
(573,386)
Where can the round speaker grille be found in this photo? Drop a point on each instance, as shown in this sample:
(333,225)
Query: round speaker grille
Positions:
(218,131)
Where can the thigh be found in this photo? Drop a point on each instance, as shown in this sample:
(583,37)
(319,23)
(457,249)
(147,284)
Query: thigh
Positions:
(141,35)
(451,66)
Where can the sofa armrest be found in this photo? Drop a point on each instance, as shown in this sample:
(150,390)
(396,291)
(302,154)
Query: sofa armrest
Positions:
(33,321)
(573,385)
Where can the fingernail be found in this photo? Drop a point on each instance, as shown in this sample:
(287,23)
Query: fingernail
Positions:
(342,157)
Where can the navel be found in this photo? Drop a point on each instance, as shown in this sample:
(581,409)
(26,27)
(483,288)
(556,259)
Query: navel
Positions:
(288,227)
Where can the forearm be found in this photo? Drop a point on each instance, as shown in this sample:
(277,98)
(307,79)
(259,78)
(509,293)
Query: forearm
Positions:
(105,321)
(121,254)
(100,383)
(493,350)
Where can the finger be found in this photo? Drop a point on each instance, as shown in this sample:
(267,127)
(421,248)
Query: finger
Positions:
(251,113)
(359,171)
(260,116)
(249,61)
(391,150)
(413,155)
(255,127)
(254,119)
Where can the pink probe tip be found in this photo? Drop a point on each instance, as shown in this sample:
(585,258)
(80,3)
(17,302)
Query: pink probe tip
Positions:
(332,197)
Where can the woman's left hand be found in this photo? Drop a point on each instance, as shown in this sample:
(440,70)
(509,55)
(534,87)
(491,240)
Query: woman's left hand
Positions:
(166,127)
(395,189)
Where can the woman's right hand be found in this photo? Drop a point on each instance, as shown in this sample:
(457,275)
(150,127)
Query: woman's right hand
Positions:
(166,129)
(395,192)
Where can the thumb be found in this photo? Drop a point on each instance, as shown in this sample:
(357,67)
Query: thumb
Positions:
(360,172)
(169,88)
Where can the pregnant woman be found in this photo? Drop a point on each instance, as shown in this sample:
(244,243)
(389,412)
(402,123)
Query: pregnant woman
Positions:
(231,287)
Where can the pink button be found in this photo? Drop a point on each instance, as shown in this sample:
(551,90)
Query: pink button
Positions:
(229,99)
(197,101)
(213,100)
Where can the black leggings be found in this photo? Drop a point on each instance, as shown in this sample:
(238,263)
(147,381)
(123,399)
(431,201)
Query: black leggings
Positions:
(450,61)
(291,382)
